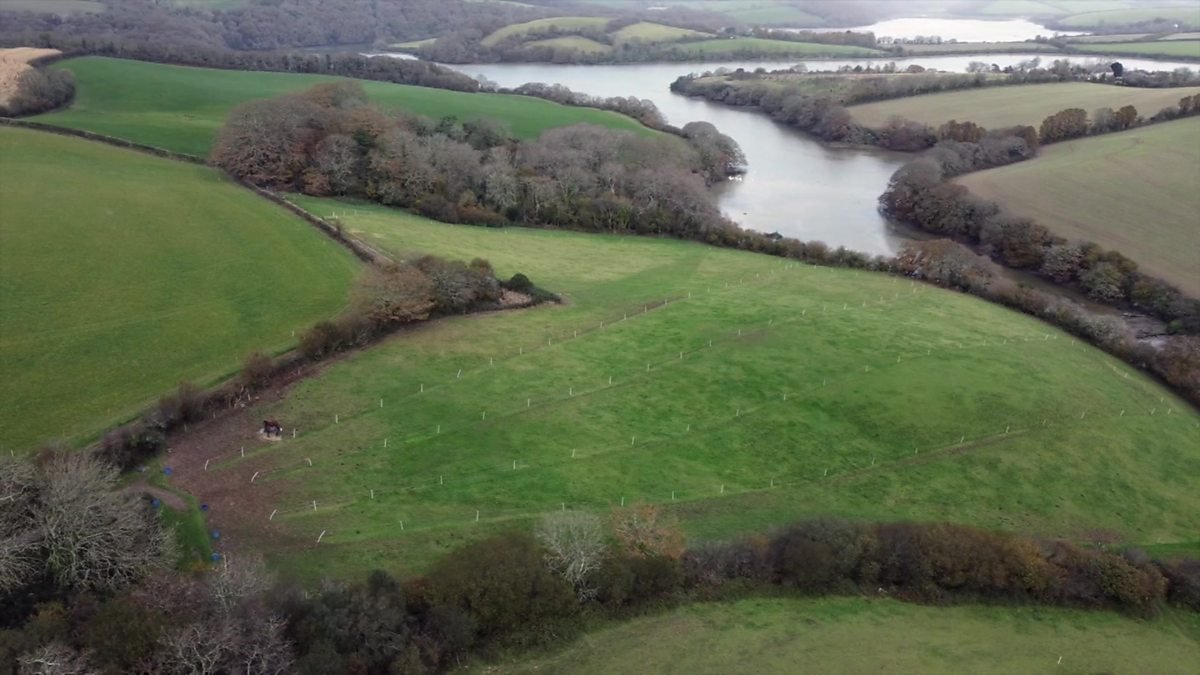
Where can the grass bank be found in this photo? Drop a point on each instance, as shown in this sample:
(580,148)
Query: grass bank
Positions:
(123,274)
(181,108)
(823,391)
(1133,192)
(1007,106)
(858,635)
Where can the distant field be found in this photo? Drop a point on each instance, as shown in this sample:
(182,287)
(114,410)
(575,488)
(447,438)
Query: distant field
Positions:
(1019,8)
(1006,106)
(1119,37)
(181,108)
(413,44)
(1135,192)
(979,47)
(1173,48)
(573,42)
(1118,17)
(59,7)
(653,32)
(898,400)
(563,23)
(123,274)
(858,635)
(734,46)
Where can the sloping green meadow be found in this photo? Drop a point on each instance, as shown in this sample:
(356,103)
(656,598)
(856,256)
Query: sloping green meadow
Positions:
(123,274)
(181,108)
(822,391)
(859,635)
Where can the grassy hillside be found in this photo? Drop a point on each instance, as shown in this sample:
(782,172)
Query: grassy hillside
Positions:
(1169,48)
(1134,192)
(827,636)
(181,108)
(1019,8)
(653,32)
(979,47)
(560,23)
(576,43)
(1006,106)
(1120,17)
(123,274)
(759,46)
(898,400)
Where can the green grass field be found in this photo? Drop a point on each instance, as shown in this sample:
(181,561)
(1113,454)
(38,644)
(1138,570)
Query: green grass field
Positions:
(1006,106)
(1134,192)
(1170,48)
(1019,8)
(412,44)
(1119,17)
(759,46)
(979,47)
(898,402)
(561,23)
(122,274)
(856,635)
(574,43)
(647,32)
(182,108)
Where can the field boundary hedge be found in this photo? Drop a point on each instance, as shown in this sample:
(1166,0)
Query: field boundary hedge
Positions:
(360,249)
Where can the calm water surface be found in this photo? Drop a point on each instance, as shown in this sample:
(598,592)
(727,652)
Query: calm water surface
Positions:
(795,185)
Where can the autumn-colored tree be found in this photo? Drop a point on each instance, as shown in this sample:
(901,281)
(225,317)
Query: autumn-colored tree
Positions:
(644,531)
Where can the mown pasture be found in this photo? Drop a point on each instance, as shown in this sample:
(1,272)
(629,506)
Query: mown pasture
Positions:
(822,391)
(122,275)
(646,31)
(1120,17)
(859,635)
(1167,48)
(576,43)
(181,108)
(557,23)
(1007,106)
(1019,8)
(732,47)
(1133,191)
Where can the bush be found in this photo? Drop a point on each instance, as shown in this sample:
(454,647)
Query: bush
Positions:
(502,585)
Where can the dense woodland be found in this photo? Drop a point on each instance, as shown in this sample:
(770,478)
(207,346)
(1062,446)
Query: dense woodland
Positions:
(330,141)
(90,583)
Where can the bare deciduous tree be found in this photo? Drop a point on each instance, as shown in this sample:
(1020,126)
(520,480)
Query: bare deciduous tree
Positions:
(93,535)
(575,548)
(18,538)
(55,659)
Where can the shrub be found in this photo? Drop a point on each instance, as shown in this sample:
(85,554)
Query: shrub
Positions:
(502,584)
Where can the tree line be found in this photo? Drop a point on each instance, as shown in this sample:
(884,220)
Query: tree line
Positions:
(920,194)
(512,590)
(330,141)
(389,296)
(825,116)
(266,25)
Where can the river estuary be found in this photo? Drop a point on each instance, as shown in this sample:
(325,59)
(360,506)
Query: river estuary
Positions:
(795,185)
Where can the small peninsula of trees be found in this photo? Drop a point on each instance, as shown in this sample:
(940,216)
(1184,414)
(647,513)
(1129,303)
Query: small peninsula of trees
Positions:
(330,141)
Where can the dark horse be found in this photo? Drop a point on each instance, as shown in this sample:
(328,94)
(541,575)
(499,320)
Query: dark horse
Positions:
(272,428)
